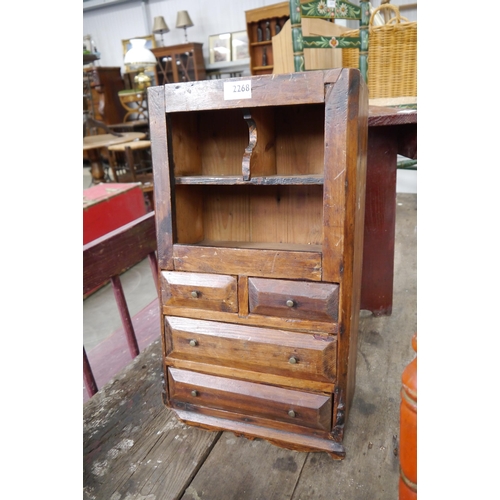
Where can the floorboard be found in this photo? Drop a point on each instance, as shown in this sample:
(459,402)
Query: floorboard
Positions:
(241,469)
(133,447)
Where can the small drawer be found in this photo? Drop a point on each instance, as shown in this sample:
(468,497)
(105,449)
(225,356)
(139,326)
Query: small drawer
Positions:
(294,299)
(263,350)
(250,399)
(215,292)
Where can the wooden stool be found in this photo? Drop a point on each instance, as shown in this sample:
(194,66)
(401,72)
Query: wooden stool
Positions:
(131,162)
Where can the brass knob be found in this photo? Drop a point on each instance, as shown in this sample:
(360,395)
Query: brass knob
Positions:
(194,393)
(293,360)
(291,413)
(194,294)
(193,343)
(290,303)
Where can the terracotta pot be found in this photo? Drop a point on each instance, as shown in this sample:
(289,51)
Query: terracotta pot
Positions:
(408,430)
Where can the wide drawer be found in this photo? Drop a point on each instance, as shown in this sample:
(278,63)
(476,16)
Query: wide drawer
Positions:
(294,299)
(250,399)
(265,350)
(215,292)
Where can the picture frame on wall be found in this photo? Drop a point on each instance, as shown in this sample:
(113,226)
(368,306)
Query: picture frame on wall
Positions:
(239,45)
(150,43)
(219,47)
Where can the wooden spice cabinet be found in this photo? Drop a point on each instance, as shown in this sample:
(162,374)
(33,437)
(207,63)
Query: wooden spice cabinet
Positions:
(259,212)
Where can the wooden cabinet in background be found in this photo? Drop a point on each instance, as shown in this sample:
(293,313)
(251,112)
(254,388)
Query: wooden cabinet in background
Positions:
(104,83)
(179,63)
(259,203)
(262,24)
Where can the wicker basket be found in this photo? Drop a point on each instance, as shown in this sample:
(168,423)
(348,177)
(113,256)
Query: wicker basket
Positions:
(392,56)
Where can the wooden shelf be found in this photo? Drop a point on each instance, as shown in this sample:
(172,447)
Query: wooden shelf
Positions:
(269,180)
(263,68)
(289,247)
(260,44)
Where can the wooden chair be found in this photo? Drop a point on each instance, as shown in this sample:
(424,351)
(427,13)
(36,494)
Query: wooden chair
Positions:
(326,9)
(131,162)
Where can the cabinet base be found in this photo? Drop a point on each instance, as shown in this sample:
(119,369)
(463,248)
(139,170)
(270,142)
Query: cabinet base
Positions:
(277,437)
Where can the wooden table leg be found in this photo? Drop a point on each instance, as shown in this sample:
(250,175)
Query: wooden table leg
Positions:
(380,221)
(96,168)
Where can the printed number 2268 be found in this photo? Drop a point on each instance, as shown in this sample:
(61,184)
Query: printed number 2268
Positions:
(241,88)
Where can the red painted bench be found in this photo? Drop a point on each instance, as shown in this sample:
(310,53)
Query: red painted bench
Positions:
(104,260)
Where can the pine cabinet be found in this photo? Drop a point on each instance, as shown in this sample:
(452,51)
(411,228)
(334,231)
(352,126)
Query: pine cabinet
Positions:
(262,24)
(259,202)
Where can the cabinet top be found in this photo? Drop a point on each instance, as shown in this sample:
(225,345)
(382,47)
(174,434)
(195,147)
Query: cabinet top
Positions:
(252,91)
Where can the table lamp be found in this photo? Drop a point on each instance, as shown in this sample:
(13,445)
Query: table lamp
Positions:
(183,21)
(139,58)
(160,27)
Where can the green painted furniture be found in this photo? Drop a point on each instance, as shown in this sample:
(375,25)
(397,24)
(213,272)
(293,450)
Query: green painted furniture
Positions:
(330,9)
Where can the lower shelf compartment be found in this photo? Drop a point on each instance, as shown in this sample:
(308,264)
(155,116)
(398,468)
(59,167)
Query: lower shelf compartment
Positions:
(284,439)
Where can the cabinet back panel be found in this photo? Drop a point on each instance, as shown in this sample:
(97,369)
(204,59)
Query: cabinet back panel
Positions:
(185,143)
(189,214)
(277,214)
(212,143)
(300,139)
(209,142)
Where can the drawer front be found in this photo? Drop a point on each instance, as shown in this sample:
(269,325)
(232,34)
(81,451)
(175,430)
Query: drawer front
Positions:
(264,350)
(294,299)
(248,398)
(214,292)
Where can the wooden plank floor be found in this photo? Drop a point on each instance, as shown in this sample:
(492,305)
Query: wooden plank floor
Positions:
(135,449)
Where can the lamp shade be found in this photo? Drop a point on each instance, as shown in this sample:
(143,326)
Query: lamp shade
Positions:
(160,26)
(183,20)
(139,56)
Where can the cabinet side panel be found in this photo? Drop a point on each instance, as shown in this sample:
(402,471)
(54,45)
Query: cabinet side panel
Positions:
(356,209)
(350,97)
(162,180)
(335,180)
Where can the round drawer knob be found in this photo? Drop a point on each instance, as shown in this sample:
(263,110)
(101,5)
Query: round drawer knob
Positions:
(194,294)
(193,343)
(194,393)
(291,413)
(293,360)
(290,303)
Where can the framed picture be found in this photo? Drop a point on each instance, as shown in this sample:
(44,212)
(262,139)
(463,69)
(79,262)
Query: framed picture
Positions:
(239,45)
(219,47)
(150,42)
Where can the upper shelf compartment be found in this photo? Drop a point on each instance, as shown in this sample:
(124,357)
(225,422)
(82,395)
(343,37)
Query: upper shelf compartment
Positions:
(275,145)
